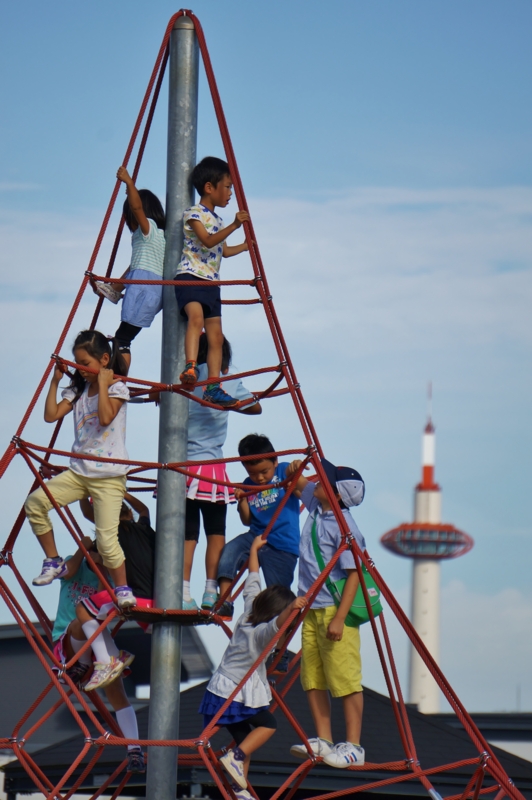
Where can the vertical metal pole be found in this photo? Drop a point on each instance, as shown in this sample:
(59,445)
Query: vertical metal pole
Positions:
(173,420)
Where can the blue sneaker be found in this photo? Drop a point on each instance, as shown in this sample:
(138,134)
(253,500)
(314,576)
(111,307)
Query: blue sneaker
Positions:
(190,605)
(208,600)
(214,393)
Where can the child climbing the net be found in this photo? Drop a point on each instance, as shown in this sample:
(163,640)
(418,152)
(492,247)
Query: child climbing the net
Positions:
(69,635)
(248,718)
(330,649)
(145,218)
(203,247)
(137,540)
(207,432)
(98,401)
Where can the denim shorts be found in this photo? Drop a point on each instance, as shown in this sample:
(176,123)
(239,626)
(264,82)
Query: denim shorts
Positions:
(278,566)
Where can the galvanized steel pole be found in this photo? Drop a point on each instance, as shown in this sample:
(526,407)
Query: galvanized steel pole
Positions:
(173,420)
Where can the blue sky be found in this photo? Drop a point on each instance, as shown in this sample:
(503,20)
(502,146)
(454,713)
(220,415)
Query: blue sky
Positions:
(385,151)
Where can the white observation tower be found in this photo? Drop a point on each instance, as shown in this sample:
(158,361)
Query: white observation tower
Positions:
(427,541)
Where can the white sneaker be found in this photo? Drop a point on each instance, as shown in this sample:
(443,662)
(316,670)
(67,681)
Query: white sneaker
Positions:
(108,291)
(320,747)
(241,794)
(345,755)
(234,768)
(52,568)
(104,674)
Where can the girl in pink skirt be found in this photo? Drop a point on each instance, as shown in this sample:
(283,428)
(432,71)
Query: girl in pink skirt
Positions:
(207,432)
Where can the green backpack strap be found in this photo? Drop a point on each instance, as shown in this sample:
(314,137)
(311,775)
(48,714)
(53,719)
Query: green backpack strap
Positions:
(321,563)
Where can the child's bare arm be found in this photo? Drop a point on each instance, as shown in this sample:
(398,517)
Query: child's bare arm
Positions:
(234,250)
(253,564)
(108,407)
(138,505)
(135,203)
(243,507)
(53,410)
(210,240)
(256,408)
(301,481)
(335,631)
(74,563)
(299,602)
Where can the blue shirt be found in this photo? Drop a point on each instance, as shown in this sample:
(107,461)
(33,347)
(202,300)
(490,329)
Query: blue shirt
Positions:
(83,584)
(285,533)
(207,427)
(329,539)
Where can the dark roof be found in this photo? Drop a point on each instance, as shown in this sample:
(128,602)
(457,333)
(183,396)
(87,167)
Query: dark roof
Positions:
(503,726)
(22,678)
(437,744)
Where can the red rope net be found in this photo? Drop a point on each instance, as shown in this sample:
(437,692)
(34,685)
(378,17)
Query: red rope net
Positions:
(38,458)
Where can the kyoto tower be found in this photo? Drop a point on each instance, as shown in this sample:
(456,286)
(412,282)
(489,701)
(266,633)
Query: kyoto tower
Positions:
(427,541)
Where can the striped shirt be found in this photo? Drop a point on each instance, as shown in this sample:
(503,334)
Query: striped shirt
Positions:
(148,251)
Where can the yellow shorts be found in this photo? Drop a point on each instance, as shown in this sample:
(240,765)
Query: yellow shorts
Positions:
(335,666)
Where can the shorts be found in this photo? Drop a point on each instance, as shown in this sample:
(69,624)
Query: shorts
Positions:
(142,302)
(213,514)
(335,666)
(100,604)
(207,296)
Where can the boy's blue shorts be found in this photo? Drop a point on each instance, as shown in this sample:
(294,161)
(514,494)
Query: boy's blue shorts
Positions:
(208,296)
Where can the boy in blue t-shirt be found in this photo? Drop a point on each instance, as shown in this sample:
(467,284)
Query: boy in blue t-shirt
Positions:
(278,557)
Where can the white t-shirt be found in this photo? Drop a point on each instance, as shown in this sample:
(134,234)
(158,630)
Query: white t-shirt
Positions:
(93,439)
(204,262)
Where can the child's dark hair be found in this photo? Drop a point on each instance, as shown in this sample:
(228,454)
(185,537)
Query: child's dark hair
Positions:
(254,444)
(270,603)
(152,208)
(227,352)
(209,170)
(96,345)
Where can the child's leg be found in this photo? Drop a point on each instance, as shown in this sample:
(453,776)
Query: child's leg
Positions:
(320,708)
(353,709)
(194,312)
(103,647)
(66,488)
(252,734)
(214,516)
(107,495)
(233,556)
(277,565)
(192,527)
(124,335)
(125,714)
(215,340)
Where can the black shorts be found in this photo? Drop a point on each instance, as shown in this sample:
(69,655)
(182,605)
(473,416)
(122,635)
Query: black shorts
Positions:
(213,514)
(208,296)
(262,719)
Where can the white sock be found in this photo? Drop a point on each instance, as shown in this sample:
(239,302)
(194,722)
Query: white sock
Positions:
(127,719)
(211,585)
(99,647)
(77,644)
(186,590)
(112,649)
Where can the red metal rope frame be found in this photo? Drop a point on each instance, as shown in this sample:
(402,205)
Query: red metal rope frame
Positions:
(409,768)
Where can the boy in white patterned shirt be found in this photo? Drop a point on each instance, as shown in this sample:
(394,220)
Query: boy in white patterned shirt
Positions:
(203,248)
